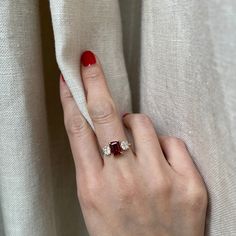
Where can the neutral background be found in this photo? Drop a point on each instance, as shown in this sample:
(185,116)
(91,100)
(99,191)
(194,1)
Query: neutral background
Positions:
(173,60)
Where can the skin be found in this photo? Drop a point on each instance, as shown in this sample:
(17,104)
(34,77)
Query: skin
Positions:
(154,188)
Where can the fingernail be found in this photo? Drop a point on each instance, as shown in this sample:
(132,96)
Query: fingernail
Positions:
(125,114)
(62,78)
(88,58)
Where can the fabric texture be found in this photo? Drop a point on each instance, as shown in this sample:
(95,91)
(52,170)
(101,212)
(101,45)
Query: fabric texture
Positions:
(173,60)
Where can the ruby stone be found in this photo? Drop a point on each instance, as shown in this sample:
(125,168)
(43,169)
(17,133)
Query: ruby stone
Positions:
(115,148)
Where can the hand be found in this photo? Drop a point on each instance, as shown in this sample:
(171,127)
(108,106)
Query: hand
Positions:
(153,188)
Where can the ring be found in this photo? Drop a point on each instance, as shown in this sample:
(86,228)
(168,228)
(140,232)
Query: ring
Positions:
(116,148)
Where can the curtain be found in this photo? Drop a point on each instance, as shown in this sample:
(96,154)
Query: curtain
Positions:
(174,60)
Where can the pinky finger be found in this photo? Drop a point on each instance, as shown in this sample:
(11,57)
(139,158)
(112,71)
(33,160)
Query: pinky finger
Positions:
(177,155)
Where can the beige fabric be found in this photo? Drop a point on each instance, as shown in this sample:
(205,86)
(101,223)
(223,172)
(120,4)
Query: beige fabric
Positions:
(26,201)
(180,59)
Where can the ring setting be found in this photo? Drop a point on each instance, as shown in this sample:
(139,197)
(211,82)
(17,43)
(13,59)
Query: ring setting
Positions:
(116,148)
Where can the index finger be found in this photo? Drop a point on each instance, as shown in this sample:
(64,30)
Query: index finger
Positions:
(82,139)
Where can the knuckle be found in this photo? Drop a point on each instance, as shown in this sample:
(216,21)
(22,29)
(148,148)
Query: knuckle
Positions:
(143,119)
(101,111)
(66,94)
(145,123)
(175,140)
(196,198)
(197,201)
(76,125)
(93,73)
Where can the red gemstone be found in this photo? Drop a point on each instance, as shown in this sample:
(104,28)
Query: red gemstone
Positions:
(115,148)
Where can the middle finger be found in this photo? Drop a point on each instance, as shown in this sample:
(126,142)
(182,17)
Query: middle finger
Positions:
(103,112)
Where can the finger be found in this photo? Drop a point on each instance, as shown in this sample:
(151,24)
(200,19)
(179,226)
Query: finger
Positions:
(145,137)
(103,112)
(177,155)
(82,138)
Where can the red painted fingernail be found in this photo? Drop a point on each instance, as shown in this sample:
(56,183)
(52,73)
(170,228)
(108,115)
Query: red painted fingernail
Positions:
(125,114)
(88,58)
(62,78)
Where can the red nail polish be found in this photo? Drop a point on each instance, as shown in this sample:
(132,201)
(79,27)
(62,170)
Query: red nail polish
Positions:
(125,114)
(88,58)
(62,78)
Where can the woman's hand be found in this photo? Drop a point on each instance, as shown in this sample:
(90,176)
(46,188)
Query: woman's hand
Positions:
(154,189)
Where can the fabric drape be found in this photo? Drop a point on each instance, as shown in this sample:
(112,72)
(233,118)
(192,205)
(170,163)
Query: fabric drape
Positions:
(173,60)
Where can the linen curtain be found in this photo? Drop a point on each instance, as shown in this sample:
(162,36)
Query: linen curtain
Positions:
(173,60)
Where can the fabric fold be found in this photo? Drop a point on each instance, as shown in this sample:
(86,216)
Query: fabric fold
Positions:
(90,25)
(26,197)
(181,67)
